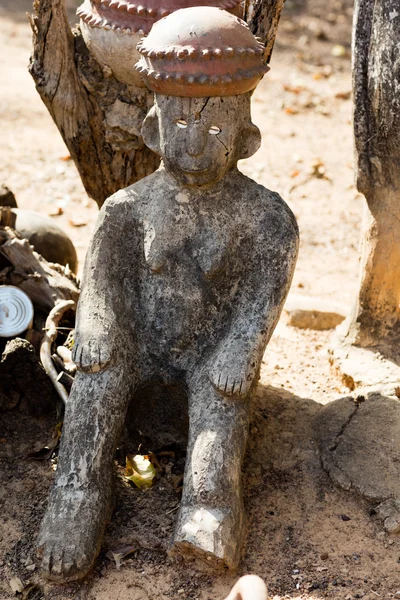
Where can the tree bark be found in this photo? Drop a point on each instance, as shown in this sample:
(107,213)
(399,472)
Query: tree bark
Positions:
(98,117)
(375,321)
(263,16)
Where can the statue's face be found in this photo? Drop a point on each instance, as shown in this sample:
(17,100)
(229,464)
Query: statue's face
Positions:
(200,138)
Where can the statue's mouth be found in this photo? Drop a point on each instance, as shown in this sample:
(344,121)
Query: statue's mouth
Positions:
(195,171)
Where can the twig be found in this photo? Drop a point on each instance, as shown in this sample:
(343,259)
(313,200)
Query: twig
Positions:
(172,510)
(52,321)
(59,328)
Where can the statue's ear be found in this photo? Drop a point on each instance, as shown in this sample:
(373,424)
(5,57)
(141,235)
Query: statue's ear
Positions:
(151,131)
(249,141)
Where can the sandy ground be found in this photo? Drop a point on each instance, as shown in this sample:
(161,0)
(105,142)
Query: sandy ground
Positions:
(306,538)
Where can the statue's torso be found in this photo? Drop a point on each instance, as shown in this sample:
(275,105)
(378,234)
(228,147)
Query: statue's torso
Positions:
(190,259)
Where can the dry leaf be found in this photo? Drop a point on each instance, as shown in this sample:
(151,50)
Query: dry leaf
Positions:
(119,554)
(56,212)
(46,452)
(324,74)
(343,95)
(294,89)
(16,585)
(77,223)
(291,111)
(318,169)
(30,592)
(177,481)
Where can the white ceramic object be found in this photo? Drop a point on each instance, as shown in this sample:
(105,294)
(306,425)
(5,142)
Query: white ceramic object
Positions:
(113,48)
(16,311)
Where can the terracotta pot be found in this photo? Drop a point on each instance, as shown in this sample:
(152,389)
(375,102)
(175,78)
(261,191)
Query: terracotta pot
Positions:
(112,29)
(200,52)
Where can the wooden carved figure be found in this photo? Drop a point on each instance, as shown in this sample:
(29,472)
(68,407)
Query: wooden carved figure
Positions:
(184,282)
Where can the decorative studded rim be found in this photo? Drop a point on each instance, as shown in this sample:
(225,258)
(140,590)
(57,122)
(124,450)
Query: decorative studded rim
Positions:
(131,17)
(201,51)
(16,311)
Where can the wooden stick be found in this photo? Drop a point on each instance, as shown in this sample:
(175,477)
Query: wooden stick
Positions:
(52,321)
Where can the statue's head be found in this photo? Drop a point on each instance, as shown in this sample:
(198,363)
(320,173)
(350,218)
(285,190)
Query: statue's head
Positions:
(203,64)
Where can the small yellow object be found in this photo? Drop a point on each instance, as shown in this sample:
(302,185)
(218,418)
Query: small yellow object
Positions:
(338,51)
(140,471)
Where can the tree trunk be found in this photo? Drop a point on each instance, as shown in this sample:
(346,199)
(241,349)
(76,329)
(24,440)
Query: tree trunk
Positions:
(263,17)
(98,117)
(375,321)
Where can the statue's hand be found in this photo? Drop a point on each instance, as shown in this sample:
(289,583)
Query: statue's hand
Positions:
(91,353)
(231,378)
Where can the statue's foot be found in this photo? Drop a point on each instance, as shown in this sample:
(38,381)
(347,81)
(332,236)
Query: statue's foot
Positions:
(72,531)
(210,535)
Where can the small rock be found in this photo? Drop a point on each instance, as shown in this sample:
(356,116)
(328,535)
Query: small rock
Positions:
(389,511)
(30,567)
(324,556)
(345,518)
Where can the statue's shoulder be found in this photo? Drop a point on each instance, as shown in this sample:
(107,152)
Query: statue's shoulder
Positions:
(272,211)
(139,193)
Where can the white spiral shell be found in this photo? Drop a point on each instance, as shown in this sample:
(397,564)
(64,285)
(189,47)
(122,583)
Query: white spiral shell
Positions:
(16,311)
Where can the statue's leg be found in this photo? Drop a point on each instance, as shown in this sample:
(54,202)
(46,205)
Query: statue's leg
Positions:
(81,500)
(210,523)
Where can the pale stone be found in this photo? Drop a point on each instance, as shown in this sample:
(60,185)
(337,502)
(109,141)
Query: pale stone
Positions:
(358,444)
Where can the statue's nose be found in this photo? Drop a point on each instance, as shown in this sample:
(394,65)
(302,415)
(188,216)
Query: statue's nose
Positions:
(196,138)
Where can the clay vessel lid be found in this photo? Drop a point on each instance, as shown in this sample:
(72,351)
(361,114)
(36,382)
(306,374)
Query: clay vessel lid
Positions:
(140,15)
(199,52)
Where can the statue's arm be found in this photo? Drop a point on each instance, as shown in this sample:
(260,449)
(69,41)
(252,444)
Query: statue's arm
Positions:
(258,305)
(96,328)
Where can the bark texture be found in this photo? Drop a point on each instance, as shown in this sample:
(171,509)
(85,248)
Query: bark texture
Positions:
(263,17)
(98,117)
(376,81)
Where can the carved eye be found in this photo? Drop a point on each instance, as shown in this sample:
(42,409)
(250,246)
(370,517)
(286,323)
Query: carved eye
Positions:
(214,130)
(181,124)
